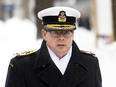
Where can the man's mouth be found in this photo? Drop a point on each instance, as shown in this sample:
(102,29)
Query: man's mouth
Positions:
(60,45)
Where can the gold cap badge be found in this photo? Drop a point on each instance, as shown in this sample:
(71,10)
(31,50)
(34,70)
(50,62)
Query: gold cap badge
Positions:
(62,17)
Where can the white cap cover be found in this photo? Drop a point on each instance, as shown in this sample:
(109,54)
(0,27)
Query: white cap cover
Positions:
(59,17)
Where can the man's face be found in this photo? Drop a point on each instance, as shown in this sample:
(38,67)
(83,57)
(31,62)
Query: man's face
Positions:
(59,45)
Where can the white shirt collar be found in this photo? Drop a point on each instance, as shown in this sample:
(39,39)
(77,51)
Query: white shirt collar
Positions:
(61,63)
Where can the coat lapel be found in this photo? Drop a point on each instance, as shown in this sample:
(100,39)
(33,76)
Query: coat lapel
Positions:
(76,70)
(50,74)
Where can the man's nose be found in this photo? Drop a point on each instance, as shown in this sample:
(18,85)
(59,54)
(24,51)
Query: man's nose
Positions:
(61,37)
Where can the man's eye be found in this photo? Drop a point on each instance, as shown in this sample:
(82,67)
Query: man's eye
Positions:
(55,32)
(67,32)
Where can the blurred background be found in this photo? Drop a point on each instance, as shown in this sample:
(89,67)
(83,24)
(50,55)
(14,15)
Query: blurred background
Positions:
(20,30)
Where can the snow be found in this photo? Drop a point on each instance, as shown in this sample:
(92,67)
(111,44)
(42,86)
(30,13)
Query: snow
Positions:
(18,35)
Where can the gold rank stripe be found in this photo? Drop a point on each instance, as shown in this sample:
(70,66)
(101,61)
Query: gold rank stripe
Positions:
(11,64)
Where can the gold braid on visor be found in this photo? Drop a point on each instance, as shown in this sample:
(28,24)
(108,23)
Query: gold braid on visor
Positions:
(56,26)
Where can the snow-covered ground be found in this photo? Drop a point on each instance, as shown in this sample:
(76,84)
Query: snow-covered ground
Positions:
(18,35)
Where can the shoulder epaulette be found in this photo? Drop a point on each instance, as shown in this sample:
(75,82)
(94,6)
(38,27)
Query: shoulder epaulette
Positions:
(25,53)
(87,52)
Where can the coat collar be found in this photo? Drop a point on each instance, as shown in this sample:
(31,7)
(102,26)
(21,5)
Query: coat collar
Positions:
(74,74)
(77,55)
(43,57)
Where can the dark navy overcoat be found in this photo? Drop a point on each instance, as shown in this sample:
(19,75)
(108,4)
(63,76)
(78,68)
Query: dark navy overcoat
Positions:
(38,70)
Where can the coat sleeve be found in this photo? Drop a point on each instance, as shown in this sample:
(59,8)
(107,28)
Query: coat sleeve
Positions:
(98,76)
(14,75)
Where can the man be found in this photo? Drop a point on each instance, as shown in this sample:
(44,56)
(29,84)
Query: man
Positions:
(84,21)
(59,62)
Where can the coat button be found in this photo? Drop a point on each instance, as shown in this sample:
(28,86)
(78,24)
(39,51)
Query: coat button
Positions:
(44,65)
(77,64)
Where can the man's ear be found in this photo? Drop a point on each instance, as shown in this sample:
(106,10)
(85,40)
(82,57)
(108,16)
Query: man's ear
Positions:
(43,34)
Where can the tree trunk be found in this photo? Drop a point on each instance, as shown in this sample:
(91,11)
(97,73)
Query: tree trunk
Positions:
(94,21)
(25,4)
(0,9)
(40,5)
(114,18)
